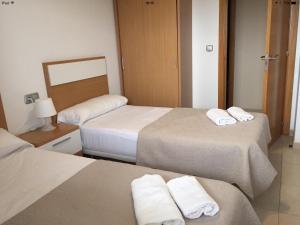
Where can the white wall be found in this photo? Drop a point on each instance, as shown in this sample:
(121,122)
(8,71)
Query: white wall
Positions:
(205,16)
(35,31)
(295,113)
(250,43)
(296,80)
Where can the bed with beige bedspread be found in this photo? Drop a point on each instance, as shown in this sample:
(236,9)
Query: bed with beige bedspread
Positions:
(186,141)
(42,187)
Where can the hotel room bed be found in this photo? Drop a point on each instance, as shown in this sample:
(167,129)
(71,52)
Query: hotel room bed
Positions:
(115,134)
(184,141)
(43,187)
(179,140)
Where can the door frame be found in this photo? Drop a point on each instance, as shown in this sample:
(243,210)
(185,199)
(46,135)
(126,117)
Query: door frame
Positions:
(223,53)
(226,84)
(231,51)
(291,61)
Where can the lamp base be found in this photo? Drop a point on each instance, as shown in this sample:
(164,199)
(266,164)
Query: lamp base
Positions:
(48,126)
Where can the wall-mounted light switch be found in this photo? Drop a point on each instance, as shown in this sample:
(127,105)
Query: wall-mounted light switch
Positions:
(209,48)
(30,98)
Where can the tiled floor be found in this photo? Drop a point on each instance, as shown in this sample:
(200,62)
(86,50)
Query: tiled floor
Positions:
(280,205)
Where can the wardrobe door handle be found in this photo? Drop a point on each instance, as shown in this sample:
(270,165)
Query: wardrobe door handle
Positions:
(123,63)
(150,2)
(60,142)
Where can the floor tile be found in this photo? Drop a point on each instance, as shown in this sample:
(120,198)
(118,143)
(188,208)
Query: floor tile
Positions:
(290,200)
(281,144)
(291,175)
(267,217)
(280,205)
(285,219)
(268,203)
(269,200)
(291,157)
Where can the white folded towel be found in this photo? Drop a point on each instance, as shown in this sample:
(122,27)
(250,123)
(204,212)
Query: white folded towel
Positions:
(240,114)
(220,117)
(153,203)
(191,197)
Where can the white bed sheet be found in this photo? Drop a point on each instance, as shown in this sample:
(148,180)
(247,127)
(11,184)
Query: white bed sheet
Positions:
(115,134)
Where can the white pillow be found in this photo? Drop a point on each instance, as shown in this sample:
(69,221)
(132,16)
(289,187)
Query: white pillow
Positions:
(80,113)
(10,143)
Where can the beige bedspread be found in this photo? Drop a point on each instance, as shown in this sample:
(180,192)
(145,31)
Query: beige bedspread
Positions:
(101,194)
(27,175)
(186,141)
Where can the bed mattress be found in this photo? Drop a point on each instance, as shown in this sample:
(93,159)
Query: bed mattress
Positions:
(115,134)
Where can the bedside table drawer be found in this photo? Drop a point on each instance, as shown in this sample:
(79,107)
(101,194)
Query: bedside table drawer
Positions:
(69,143)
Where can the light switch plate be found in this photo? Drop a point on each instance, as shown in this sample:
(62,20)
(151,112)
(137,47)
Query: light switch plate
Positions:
(209,48)
(30,98)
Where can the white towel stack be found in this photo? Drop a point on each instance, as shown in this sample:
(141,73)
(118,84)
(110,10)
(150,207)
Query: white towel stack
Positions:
(153,203)
(220,117)
(240,114)
(191,197)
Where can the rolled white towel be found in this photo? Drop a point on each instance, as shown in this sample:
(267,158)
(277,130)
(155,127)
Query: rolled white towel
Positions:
(191,197)
(153,203)
(240,114)
(220,117)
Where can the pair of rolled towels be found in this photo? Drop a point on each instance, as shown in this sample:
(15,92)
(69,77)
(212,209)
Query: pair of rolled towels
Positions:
(222,117)
(153,202)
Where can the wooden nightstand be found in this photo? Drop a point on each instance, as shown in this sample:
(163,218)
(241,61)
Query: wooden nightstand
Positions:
(65,139)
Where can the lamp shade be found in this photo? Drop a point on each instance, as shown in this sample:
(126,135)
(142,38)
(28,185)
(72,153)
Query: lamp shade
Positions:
(44,108)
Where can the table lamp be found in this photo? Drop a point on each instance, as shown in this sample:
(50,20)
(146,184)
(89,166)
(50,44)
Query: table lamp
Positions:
(44,108)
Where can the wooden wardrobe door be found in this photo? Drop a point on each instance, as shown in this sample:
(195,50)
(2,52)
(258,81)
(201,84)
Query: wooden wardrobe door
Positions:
(149,45)
(130,20)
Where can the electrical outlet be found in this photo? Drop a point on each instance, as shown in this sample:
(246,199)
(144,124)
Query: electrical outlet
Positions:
(30,98)
(209,48)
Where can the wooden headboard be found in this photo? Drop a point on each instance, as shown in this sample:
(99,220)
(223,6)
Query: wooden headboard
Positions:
(2,116)
(74,81)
